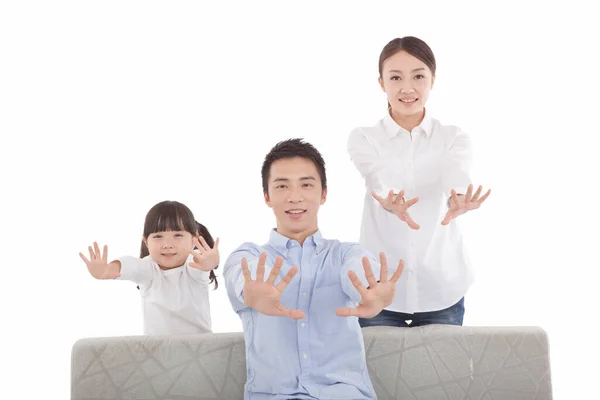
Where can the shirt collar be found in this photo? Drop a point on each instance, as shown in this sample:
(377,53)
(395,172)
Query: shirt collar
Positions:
(283,244)
(392,128)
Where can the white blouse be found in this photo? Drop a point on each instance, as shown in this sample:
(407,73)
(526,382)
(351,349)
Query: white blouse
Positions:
(174,301)
(426,163)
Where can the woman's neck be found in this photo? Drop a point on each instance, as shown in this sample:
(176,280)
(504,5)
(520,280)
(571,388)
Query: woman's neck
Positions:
(408,122)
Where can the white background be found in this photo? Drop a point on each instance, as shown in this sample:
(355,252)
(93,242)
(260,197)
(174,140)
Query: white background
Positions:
(109,107)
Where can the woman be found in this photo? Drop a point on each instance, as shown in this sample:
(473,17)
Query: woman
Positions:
(416,173)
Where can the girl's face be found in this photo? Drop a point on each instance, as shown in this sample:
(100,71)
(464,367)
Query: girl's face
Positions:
(170,249)
(407,81)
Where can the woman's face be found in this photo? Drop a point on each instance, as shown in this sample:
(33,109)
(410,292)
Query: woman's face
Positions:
(407,81)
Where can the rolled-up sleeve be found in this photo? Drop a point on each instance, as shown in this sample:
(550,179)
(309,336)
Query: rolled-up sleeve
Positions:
(456,167)
(352,255)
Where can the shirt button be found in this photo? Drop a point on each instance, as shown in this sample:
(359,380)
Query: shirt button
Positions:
(304,356)
(303,324)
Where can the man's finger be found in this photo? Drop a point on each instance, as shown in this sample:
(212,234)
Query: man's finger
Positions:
(291,312)
(246,270)
(398,272)
(260,269)
(275,271)
(369,272)
(346,312)
(383,267)
(357,284)
(286,279)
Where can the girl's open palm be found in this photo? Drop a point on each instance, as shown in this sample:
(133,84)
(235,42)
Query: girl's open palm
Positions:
(98,265)
(205,258)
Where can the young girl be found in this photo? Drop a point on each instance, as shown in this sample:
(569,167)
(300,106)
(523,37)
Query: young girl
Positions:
(172,277)
(416,172)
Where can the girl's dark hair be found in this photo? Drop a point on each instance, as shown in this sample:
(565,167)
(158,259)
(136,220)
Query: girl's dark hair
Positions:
(413,46)
(174,216)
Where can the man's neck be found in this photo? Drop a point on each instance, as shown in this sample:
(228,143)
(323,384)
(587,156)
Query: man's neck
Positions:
(297,236)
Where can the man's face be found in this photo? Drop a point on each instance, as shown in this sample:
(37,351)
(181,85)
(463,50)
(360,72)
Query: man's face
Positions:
(295,195)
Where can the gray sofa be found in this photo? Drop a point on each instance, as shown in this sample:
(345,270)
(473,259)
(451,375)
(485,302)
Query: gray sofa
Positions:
(421,363)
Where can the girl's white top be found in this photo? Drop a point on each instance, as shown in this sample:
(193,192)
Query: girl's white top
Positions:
(174,301)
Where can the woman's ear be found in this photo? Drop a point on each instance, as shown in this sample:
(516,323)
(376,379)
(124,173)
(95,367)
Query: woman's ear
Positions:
(380,80)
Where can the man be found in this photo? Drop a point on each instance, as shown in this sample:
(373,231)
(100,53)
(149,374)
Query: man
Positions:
(302,336)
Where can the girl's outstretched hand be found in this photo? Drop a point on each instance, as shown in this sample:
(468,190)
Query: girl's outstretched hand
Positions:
(98,265)
(205,258)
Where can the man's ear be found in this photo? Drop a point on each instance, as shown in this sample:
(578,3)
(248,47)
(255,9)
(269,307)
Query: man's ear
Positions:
(323,196)
(267,199)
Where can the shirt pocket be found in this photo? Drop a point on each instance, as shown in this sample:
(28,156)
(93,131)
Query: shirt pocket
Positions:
(324,302)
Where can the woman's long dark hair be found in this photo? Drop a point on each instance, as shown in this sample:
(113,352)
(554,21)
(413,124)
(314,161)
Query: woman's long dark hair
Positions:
(174,216)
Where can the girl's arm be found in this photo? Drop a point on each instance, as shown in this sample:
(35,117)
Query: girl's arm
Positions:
(127,268)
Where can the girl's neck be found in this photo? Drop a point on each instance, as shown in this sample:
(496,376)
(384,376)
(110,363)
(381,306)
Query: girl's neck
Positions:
(408,122)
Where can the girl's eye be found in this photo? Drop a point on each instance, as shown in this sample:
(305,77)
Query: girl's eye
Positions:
(178,235)
(156,237)
(419,76)
(395,78)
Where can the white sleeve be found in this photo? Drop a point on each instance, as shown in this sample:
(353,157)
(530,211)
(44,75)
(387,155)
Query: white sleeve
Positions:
(196,274)
(365,157)
(456,166)
(137,270)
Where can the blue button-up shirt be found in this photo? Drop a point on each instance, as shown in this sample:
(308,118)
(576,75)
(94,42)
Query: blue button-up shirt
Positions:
(321,356)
